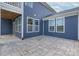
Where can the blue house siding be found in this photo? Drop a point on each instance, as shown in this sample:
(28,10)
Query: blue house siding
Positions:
(71,28)
(6,26)
(38,9)
(40,12)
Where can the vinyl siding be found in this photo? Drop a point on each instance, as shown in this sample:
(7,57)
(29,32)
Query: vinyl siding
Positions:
(6,26)
(40,12)
(71,28)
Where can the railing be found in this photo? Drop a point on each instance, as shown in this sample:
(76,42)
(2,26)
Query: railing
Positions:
(16,4)
(12,6)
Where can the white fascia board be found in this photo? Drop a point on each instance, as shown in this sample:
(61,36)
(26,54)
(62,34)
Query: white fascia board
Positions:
(62,15)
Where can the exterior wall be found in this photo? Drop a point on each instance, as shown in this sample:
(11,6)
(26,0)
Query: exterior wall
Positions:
(18,34)
(6,26)
(71,28)
(40,12)
(71,23)
(38,9)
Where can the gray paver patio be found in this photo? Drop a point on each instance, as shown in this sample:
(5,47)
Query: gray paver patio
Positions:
(39,46)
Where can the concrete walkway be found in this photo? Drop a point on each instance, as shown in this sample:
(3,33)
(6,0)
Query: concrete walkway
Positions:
(8,38)
(40,46)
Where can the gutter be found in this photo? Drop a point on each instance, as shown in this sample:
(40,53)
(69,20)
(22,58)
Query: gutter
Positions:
(63,14)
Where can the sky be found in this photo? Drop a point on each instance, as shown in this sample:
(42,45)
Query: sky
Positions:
(61,6)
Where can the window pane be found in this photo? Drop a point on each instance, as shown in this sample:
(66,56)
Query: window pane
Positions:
(60,24)
(51,22)
(30,28)
(36,22)
(30,21)
(60,28)
(51,28)
(16,25)
(33,24)
(60,21)
(36,28)
(16,22)
(19,20)
(19,28)
(52,25)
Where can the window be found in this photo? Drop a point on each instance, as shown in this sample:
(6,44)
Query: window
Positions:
(32,24)
(29,4)
(60,24)
(51,25)
(16,29)
(36,25)
(57,25)
(18,24)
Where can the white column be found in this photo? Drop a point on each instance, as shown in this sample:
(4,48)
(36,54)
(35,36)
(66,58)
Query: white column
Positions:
(22,28)
(78,25)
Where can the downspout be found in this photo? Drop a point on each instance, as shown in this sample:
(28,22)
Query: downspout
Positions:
(22,28)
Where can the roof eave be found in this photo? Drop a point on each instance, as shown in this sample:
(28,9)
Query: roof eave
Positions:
(48,7)
(66,14)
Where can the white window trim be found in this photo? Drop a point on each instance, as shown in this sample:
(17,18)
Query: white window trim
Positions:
(27,25)
(32,25)
(63,25)
(49,26)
